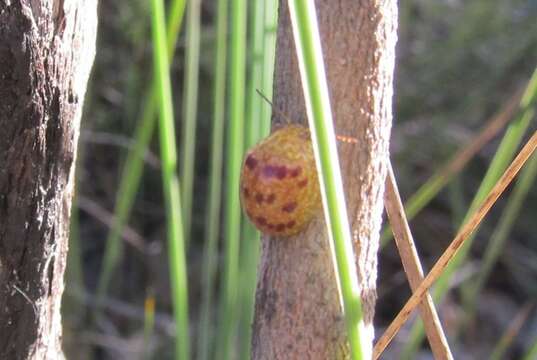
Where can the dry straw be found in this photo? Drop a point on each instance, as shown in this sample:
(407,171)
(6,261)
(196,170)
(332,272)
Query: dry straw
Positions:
(455,246)
(411,264)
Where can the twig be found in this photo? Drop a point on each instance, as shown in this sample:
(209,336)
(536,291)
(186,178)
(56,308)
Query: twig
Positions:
(98,212)
(494,124)
(411,264)
(455,246)
(105,138)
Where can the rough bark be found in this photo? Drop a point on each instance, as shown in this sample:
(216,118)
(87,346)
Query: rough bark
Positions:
(46,51)
(298,313)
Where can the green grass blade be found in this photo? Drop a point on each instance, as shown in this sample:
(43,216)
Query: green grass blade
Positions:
(235,147)
(503,156)
(132,171)
(250,251)
(172,200)
(190,107)
(210,249)
(310,60)
(263,43)
(252,133)
(500,234)
(269,57)
(254,105)
(128,187)
(456,199)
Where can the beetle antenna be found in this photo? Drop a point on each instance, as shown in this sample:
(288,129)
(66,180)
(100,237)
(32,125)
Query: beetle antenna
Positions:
(342,138)
(272,106)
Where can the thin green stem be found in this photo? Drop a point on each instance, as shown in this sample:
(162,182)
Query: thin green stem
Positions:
(310,60)
(456,200)
(210,249)
(132,171)
(190,106)
(252,131)
(170,182)
(269,57)
(235,147)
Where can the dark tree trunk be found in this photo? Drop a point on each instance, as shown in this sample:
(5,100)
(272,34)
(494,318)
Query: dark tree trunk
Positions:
(46,52)
(298,313)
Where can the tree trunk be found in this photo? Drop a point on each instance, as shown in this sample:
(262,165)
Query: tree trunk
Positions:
(298,313)
(47,48)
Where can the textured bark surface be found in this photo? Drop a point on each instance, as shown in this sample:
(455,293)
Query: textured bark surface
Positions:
(298,313)
(46,51)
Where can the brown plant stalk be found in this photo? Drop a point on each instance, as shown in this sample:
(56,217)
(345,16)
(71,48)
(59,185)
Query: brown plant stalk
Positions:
(412,266)
(459,160)
(455,246)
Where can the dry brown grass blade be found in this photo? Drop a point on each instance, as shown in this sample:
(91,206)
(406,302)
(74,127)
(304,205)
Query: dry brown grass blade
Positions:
(412,266)
(455,246)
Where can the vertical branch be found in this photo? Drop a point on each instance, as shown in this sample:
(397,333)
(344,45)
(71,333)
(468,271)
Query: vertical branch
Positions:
(46,54)
(298,314)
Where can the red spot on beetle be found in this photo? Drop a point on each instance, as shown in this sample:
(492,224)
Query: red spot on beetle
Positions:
(295,172)
(291,223)
(289,207)
(261,220)
(279,172)
(303,183)
(271,226)
(269,171)
(259,198)
(270,199)
(251,162)
(280,227)
(246,192)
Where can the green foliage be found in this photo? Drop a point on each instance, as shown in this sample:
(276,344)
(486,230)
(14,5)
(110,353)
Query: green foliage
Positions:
(235,147)
(132,171)
(190,107)
(170,182)
(256,127)
(210,255)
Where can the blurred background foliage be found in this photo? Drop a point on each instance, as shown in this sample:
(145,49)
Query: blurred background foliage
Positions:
(458,62)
